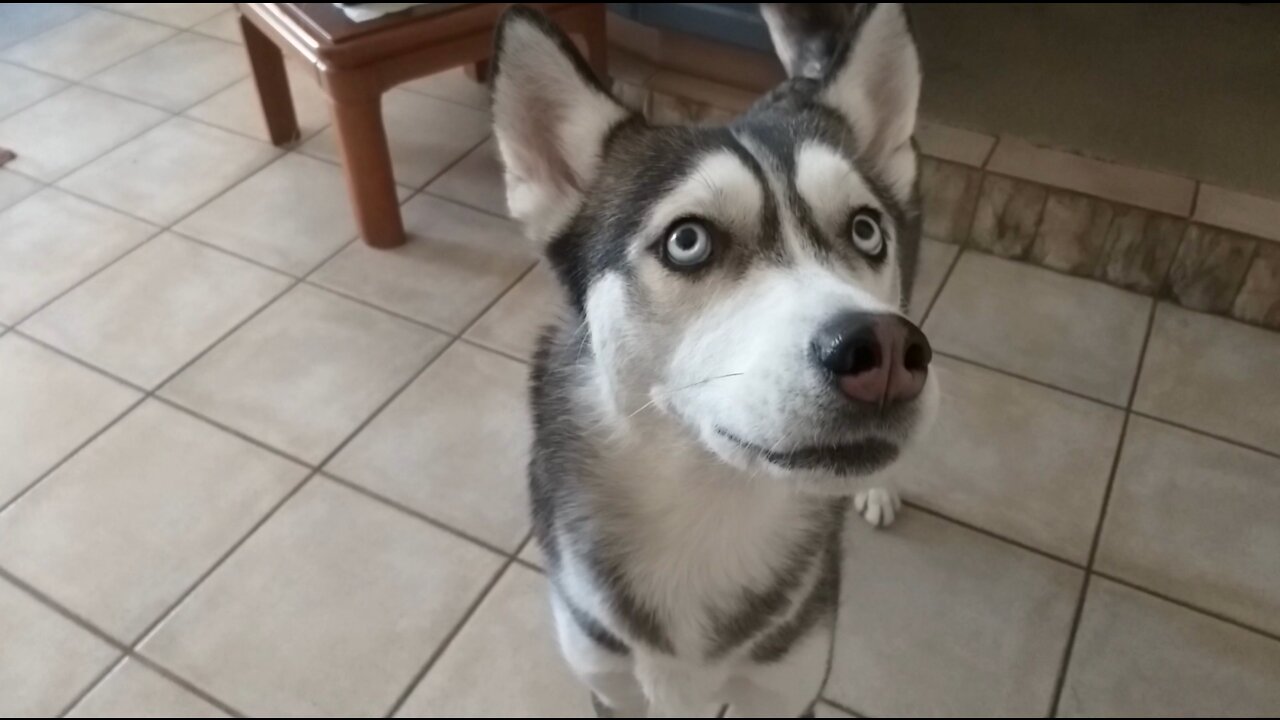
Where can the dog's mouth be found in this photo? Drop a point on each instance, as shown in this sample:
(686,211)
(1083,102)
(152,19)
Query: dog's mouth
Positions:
(859,457)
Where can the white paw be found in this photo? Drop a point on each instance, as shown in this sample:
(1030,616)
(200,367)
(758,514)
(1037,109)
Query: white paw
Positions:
(877,506)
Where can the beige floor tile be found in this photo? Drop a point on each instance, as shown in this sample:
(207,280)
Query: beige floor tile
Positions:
(1194,518)
(954,144)
(290,215)
(238,109)
(475,181)
(1073,333)
(330,609)
(15,187)
(26,20)
(182,15)
(453,446)
(133,690)
(935,260)
(53,405)
(170,171)
(23,88)
(1015,458)
(50,241)
(939,620)
(1138,656)
(1129,185)
(303,374)
(177,73)
(45,659)
(52,138)
(144,317)
(426,135)
(120,531)
(1213,374)
(86,45)
(514,324)
(224,26)
(510,640)
(454,86)
(456,262)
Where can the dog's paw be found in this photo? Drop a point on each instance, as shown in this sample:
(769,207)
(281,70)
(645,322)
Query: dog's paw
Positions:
(878,506)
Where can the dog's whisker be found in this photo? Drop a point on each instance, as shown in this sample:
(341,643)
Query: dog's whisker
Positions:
(669,393)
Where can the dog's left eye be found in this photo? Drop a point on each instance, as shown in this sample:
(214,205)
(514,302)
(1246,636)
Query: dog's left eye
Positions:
(867,234)
(688,245)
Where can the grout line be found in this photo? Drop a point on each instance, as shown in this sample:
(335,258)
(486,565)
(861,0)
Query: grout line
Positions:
(113,11)
(110,263)
(448,640)
(93,685)
(840,706)
(1197,431)
(238,256)
(1248,270)
(5,506)
(528,565)
(1069,649)
(481,346)
(185,684)
(427,191)
(403,87)
(1269,634)
(1027,379)
(169,115)
(946,277)
(990,154)
(174,606)
(58,608)
(369,304)
(397,505)
(994,535)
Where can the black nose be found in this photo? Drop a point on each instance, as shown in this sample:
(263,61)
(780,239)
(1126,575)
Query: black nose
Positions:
(877,358)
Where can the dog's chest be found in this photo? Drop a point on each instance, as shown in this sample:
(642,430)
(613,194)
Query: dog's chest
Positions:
(696,540)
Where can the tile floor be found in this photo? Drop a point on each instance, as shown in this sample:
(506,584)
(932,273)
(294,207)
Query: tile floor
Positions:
(250,467)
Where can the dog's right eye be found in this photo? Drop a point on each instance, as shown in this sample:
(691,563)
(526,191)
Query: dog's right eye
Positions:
(688,245)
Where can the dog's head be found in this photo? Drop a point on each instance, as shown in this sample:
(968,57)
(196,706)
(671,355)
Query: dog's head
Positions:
(748,280)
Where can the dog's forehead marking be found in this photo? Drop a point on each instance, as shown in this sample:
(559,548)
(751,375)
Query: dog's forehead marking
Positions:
(829,183)
(718,185)
(799,230)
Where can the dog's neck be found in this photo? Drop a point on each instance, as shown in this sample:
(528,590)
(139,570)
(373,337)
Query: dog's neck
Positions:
(659,487)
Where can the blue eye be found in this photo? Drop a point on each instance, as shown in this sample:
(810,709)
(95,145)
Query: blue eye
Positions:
(868,237)
(688,245)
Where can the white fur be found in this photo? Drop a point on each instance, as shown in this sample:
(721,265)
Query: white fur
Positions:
(550,125)
(878,90)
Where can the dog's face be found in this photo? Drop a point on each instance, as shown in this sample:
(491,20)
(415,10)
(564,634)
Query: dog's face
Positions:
(748,280)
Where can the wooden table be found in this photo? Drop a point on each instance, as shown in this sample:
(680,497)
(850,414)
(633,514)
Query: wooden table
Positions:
(355,63)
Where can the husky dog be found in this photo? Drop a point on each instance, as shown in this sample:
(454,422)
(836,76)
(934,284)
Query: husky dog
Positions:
(734,366)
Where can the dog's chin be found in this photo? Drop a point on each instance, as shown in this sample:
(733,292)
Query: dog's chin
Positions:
(838,468)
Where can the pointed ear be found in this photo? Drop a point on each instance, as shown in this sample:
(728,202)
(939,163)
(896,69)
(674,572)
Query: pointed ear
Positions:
(806,35)
(874,81)
(551,117)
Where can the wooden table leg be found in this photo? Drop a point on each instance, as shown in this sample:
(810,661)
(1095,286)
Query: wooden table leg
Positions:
(478,71)
(366,161)
(597,42)
(272,80)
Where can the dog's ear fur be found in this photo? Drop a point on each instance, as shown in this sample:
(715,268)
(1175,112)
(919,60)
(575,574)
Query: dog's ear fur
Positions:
(551,120)
(865,59)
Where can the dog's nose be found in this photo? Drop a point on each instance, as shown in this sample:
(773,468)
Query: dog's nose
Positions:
(877,358)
